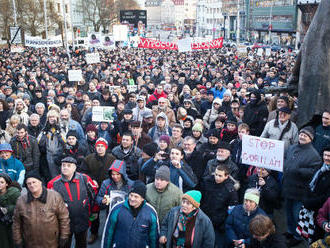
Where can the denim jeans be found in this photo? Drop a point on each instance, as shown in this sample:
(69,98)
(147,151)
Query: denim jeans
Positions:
(292,216)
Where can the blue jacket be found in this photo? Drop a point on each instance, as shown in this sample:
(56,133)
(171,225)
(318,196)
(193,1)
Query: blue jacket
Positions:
(75,126)
(109,184)
(122,230)
(218,93)
(322,138)
(14,168)
(184,178)
(237,223)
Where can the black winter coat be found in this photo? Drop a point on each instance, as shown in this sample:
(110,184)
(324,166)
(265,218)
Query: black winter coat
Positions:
(197,163)
(270,192)
(212,165)
(272,241)
(216,200)
(256,117)
(300,164)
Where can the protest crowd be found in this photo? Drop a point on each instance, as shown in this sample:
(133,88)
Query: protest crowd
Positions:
(164,157)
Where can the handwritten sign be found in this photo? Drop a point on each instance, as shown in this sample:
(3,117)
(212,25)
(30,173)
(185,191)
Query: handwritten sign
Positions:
(100,113)
(114,88)
(132,88)
(268,51)
(92,58)
(264,153)
(75,75)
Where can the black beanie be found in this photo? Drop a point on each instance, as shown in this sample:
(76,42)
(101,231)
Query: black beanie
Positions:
(139,188)
(72,133)
(33,174)
(150,149)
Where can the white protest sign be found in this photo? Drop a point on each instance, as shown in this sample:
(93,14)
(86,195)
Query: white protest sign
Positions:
(132,88)
(184,45)
(260,51)
(242,50)
(38,42)
(75,75)
(120,32)
(16,49)
(264,153)
(101,113)
(92,58)
(112,89)
(94,40)
(268,51)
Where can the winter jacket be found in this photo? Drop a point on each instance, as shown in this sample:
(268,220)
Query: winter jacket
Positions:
(275,240)
(256,117)
(138,113)
(29,155)
(212,165)
(14,168)
(203,230)
(196,163)
(324,214)
(184,178)
(169,114)
(322,138)
(208,151)
(155,132)
(75,126)
(216,200)
(34,131)
(8,201)
(97,167)
(300,164)
(237,223)
(269,193)
(163,201)
(211,114)
(76,194)
(273,131)
(123,230)
(108,184)
(42,222)
(131,159)
(218,93)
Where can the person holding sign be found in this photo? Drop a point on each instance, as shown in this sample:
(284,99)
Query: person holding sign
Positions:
(300,164)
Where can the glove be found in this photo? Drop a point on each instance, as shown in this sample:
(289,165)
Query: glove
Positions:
(63,243)
(4,210)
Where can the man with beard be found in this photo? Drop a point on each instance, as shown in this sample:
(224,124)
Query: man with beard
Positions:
(163,106)
(21,110)
(140,137)
(25,148)
(67,124)
(222,157)
(51,144)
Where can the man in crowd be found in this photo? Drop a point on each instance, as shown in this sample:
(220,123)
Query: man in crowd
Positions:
(41,218)
(322,133)
(133,223)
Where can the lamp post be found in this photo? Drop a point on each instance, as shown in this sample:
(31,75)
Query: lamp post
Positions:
(238,23)
(15,15)
(46,24)
(65,29)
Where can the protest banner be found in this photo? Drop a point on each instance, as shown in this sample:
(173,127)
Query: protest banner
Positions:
(92,58)
(38,42)
(264,153)
(94,40)
(260,51)
(16,49)
(113,88)
(157,44)
(101,113)
(268,51)
(184,45)
(108,42)
(75,75)
(132,88)
(242,50)
(120,32)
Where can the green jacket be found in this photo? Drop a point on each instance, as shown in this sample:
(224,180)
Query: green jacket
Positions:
(8,201)
(163,201)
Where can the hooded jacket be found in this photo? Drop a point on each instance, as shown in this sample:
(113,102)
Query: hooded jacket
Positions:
(14,168)
(108,185)
(23,114)
(156,132)
(137,112)
(211,114)
(169,114)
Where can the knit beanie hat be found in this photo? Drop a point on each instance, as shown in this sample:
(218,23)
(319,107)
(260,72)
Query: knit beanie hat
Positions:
(150,149)
(91,127)
(252,197)
(197,127)
(163,173)
(33,174)
(72,133)
(165,138)
(309,131)
(139,188)
(214,133)
(194,197)
(5,147)
(102,142)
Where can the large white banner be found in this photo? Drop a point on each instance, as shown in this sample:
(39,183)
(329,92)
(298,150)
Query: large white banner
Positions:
(75,75)
(264,153)
(38,42)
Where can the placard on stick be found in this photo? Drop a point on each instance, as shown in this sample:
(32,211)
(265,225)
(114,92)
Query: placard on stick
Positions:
(101,113)
(92,58)
(264,153)
(75,75)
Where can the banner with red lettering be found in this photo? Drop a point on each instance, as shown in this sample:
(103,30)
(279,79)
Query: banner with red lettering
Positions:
(157,44)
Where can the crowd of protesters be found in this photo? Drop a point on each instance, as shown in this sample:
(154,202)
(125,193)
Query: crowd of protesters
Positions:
(172,151)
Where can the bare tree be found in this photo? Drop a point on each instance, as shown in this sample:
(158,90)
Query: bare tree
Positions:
(6,17)
(102,13)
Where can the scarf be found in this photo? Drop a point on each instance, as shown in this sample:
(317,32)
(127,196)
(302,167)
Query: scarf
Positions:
(24,141)
(317,175)
(180,230)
